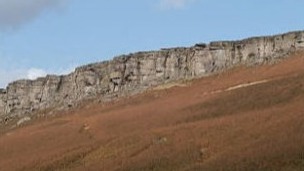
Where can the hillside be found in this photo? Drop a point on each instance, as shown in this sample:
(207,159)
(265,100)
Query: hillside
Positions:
(246,118)
(135,73)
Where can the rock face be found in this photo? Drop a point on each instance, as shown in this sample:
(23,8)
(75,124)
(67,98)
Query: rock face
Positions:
(134,73)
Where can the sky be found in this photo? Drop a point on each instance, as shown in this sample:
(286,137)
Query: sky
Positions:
(39,37)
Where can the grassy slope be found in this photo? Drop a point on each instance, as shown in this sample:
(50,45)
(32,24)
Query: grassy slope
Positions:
(260,127)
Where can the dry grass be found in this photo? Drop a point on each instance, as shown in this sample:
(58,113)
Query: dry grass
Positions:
(173,84)
(253,98)
(259,127)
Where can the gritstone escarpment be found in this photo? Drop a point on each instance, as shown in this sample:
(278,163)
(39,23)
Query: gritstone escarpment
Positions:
(134,73)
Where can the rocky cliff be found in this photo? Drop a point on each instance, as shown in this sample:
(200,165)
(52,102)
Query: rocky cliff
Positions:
(134,73)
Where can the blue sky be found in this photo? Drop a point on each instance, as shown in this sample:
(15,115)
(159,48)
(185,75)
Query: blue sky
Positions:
(54,36)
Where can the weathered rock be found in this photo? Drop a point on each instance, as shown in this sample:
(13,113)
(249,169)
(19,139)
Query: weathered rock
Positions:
(23,120)
(134,73)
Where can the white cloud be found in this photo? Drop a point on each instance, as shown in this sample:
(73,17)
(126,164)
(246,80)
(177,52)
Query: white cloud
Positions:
(65,71)
(7,76)
(34,73)
(14,13)
(174,4)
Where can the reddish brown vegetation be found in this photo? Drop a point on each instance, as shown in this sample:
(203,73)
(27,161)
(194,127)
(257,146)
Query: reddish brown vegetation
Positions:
(260,127)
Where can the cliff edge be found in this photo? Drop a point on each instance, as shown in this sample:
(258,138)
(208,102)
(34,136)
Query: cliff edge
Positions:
(134,73)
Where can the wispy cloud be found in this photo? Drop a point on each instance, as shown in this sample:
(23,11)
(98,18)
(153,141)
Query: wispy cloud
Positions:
(174,4)
(34,73)
(7,76)
(14,13)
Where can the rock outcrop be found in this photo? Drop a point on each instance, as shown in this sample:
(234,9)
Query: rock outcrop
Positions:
(134,73)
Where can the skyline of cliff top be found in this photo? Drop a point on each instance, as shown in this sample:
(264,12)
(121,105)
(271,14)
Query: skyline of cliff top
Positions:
(40,37)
